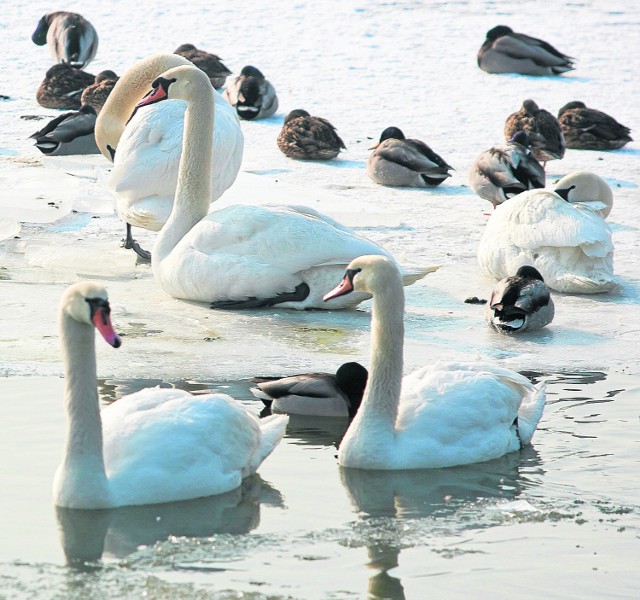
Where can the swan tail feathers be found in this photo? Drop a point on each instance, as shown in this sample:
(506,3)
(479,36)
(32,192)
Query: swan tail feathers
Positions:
(530,413)
(273,429)
(412,274)
(577,284)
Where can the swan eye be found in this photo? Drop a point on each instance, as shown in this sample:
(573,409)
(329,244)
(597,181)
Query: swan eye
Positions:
(99,306)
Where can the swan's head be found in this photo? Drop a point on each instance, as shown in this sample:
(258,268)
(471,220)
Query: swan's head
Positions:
(588,189)
(87,302)
(179,83)
(370,273)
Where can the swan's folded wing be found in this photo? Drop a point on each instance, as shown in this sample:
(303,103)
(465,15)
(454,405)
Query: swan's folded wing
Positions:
(283,237)
(552,222)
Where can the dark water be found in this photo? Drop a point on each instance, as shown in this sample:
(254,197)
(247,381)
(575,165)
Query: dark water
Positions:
(559,519)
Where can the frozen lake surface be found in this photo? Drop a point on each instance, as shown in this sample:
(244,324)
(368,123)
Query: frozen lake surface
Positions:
(559,520)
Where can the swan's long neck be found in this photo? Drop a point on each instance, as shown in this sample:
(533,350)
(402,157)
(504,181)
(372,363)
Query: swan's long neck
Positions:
(193,192)
(83,462)
(377,415)
(129,89)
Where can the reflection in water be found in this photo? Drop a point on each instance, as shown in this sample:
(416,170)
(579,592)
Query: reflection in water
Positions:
(88,535)
(427,493)
(317,431)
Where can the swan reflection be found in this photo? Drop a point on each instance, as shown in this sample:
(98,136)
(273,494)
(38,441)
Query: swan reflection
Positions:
(427,494)
(90,535)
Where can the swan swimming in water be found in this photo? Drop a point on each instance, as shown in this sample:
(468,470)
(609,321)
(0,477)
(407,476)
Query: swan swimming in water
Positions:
(156,445)
(244,256)
(442,415)
(145,165)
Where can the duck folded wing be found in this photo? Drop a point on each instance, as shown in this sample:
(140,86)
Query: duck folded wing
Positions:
(415,156)
(524,46)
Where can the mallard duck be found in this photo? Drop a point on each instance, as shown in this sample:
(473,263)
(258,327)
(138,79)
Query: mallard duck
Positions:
(97,93)
(211,64)
(591,129)
(505,51)
(398,161)
(70,37)
(69,133)
(521,302)
(308,138)
(545,136)
(62,87)
(253,96)
(336,394)
(560,231)
(505,170)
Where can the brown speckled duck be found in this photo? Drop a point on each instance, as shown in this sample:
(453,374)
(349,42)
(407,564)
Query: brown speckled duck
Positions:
(505,170)
(545,136)
(398,161)
(505,51)
(69,36)
(521,302)
(62,87)
(69,133)
(305,137)
(97,93)
(211,64)
(252,95)
(591,129)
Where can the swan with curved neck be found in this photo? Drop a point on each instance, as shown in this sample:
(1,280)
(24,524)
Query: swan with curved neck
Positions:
(127,92)
(244,256)
(149,141)
(440,416)
(561,231)
(157,445)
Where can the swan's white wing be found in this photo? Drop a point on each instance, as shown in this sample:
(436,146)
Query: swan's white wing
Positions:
(473,407)
(285,237)
(551,221)
(169,444)
(145,168)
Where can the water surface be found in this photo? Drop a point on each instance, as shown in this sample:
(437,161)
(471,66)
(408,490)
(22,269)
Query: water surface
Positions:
(559,519)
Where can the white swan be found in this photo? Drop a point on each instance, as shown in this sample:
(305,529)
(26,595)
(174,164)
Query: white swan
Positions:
(145,165)
(559,231)
(439,416)
(157,445)
(244,256)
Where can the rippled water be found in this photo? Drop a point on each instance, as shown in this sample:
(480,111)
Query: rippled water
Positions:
(560,519)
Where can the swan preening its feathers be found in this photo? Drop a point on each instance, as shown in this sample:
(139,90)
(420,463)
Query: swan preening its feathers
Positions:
(505,51)
(153,446)
(521,302)
(243,256)
(149,143)
(560,231)
(71,39)
(439,416)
